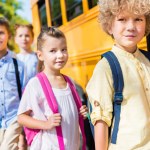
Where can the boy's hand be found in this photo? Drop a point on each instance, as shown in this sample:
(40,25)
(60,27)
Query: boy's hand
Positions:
(22,144)
(53,121)
(84,111)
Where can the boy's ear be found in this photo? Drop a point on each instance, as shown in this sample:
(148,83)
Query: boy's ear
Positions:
(109,30)
(39,55)
(10,36)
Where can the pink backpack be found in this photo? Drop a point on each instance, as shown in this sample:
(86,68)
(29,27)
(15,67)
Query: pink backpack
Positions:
(30,133)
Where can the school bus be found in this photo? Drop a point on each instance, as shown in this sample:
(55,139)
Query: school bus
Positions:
(86,41)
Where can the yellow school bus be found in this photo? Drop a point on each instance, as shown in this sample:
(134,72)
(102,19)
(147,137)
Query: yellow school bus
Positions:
(86,41)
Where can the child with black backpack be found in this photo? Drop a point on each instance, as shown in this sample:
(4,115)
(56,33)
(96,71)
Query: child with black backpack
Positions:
(122,103)
(11,81)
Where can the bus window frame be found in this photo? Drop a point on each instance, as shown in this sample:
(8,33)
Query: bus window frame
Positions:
(63,11)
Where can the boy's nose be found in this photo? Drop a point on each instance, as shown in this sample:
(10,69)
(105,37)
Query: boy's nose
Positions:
(131,25)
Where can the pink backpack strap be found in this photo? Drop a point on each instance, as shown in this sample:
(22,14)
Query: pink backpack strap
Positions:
(78,104)
(52,104)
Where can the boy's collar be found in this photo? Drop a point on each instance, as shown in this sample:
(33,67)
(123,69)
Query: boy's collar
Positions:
(123,52)
(6,56)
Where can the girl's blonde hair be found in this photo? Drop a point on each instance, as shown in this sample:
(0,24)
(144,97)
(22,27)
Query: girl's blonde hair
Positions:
(110,8)
(47,32)
(29,26)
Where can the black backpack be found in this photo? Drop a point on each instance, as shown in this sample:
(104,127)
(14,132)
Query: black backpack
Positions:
(17,77)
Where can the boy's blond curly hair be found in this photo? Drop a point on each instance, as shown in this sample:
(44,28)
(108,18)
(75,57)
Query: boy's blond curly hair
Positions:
(110,8)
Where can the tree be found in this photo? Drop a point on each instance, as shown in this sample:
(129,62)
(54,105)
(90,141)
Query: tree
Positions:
(8,9)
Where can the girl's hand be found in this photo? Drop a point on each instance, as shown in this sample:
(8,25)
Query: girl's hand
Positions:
(53,121)
(84,111)
(30,122)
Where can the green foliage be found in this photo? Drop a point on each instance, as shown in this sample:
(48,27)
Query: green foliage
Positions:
(8,9)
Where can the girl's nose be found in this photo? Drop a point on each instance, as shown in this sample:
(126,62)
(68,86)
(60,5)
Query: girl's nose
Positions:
(59,54)
(23,37)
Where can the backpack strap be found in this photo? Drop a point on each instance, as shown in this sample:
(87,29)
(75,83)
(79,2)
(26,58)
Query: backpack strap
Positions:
(118,84)
(47,89)
(146,54)
(89,118)
(78,104)
(17,77)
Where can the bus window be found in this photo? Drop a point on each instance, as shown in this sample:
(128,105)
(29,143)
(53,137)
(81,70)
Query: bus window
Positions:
(74,8)
(92,3)
(42,12)
(56,13)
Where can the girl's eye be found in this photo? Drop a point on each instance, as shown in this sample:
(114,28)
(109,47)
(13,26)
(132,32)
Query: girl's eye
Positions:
(27,35)
(52,51)
(64,50)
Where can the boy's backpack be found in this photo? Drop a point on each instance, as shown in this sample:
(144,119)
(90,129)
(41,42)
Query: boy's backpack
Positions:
(118,84)
(47,89)
(17,77)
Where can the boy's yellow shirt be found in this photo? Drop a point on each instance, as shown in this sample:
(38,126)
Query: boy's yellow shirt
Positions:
(134,126)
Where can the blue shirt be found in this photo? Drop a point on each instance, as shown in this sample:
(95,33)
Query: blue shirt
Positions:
(9,98)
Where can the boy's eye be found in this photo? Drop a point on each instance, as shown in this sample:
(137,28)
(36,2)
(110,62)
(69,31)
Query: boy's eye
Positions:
(139,19)
(121,19)
(1,33)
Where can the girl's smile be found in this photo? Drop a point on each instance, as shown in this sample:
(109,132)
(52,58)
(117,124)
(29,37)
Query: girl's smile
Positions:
(54,53)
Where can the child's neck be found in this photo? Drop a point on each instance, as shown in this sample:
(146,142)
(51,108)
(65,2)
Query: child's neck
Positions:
(3,53)
(25,51)
(56,79)
(52,74)
(131,50)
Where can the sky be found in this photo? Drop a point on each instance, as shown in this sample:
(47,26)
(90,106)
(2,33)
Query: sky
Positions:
(26,10)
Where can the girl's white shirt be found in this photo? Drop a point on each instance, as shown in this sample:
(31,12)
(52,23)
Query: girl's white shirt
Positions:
(30,61)
(34,99)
